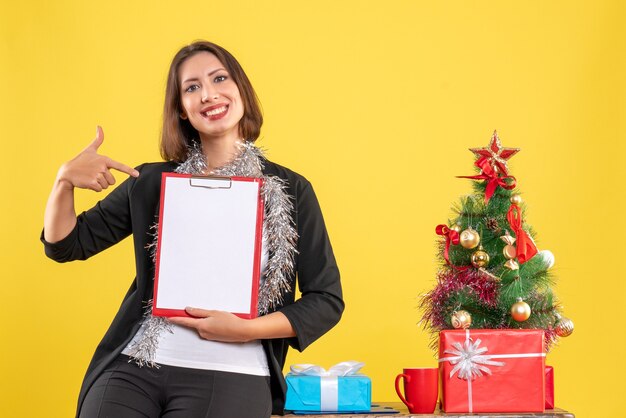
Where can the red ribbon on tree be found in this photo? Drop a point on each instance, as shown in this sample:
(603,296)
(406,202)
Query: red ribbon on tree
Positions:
(451,236)
(526,248)
(493,179)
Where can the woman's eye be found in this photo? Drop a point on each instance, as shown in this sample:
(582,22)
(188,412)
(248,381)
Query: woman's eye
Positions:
(192,88)
(220,78)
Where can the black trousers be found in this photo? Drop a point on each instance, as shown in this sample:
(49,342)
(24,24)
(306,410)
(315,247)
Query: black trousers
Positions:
(124,390)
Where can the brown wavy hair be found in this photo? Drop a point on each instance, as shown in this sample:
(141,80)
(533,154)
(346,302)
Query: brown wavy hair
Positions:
(178,133)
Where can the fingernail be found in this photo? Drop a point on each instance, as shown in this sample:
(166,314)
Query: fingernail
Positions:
(136,173)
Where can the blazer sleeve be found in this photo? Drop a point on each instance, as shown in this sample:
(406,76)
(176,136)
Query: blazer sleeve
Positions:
(321,303)
(102,226)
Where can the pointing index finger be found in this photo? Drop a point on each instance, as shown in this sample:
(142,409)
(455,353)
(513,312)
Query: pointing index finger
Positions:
(122,167)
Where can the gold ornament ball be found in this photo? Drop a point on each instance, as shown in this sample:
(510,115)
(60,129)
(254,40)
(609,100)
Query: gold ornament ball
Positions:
(516,199)
(480,258)
(564,327)
(469,239)
(456,227)
(461,319)
(520,311)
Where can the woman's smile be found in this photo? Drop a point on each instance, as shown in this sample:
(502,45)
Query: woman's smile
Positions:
(214,112)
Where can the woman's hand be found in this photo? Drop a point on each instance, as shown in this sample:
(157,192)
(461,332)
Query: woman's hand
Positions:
(90,170)
(216,325)
(226,327)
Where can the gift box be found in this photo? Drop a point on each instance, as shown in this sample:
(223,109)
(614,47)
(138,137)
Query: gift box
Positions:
(549,387)
(310,388)
(492,370)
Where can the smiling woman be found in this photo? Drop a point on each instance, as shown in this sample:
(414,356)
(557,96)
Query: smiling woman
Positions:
(213,363)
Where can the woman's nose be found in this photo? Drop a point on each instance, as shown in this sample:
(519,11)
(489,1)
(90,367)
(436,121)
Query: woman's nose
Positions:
(209,93)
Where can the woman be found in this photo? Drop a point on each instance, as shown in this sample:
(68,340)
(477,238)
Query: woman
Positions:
(212,363)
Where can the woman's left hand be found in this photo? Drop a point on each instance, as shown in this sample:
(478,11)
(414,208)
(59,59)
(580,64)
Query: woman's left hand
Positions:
(216,325)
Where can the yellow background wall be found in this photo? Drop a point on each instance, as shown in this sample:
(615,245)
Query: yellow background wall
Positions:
(376,103)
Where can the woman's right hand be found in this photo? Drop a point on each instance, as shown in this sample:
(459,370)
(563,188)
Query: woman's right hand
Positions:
(90,170)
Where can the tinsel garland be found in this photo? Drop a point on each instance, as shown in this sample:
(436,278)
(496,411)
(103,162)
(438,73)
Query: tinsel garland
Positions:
(483,287)
(475,281)
(279,235)
(434,304)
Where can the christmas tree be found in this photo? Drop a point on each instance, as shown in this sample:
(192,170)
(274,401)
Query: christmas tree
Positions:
(492,275)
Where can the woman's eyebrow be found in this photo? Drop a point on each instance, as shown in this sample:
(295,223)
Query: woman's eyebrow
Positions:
(196,79)
(188,80)
(216,70)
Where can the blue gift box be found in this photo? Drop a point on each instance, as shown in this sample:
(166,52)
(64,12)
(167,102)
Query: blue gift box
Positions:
(328,393)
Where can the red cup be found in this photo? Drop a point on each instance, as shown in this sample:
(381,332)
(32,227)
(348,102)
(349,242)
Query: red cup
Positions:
(420,388)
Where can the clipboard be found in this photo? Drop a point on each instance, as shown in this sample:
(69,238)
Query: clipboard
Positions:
(209,246)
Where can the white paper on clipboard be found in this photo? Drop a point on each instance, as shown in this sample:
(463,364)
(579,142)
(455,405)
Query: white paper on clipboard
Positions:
(209,248)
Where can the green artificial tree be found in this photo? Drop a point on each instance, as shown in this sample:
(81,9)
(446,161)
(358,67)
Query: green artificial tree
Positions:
(492,276)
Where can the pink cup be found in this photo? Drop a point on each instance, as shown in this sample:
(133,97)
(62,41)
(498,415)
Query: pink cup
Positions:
(420,389)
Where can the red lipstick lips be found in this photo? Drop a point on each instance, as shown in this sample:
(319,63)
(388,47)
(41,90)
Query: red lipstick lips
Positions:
(215,112)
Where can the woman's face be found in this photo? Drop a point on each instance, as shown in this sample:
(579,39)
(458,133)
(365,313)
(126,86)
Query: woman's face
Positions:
(209,97)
